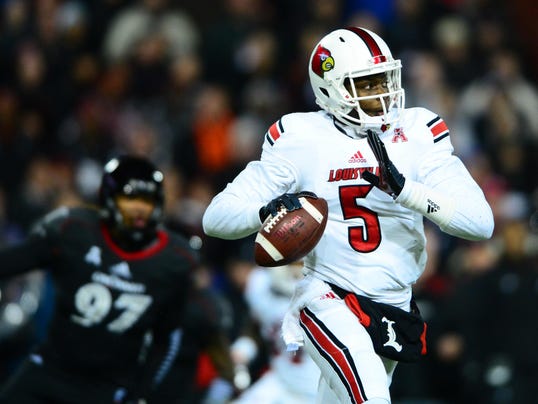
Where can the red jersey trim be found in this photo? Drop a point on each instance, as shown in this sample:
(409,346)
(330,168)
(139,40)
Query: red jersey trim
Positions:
(438,128)
(162,242)
(274,132)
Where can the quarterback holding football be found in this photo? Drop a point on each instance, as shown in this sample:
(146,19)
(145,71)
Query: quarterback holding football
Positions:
(382,168)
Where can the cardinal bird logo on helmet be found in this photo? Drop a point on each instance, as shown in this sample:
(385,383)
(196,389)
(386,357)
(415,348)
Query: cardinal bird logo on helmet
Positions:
(322,61)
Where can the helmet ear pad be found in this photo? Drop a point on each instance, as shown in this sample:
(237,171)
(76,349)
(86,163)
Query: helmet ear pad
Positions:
(131,176)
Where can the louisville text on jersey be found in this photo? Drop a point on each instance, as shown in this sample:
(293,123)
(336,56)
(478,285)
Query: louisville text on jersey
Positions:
(350,173)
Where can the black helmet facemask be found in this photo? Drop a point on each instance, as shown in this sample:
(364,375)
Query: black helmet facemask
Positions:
(131,176)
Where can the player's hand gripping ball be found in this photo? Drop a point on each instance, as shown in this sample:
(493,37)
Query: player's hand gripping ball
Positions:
(291,234)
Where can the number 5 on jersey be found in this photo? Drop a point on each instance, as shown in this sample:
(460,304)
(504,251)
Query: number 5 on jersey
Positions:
(367,237)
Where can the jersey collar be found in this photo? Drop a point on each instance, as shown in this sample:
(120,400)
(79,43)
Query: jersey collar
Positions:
(161,242)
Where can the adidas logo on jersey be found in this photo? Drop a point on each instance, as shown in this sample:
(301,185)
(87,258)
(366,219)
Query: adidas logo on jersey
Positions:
(329,295)
(121,270)
(357,158)
(93,256)
(432,207)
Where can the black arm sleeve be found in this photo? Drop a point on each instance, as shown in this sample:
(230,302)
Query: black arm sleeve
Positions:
(167,339)
(26,256)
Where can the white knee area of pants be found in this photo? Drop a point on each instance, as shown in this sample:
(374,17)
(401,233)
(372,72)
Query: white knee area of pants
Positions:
(374,374)
(376,400)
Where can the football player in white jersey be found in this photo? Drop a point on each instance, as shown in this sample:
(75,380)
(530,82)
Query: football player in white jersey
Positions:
(382,168)
(292,377)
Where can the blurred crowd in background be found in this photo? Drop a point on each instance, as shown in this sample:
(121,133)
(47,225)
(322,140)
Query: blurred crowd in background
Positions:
(194,85)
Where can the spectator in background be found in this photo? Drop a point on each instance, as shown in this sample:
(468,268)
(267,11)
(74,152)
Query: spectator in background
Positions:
(291,377)
(158,23)
(494,349)
(212,125)
(500,109)
(19,300)
(185,84)
(15,26)
(412,18)
(44,180)
(224,39)
(428,86)
(382,10)
(452,43)
(21,135)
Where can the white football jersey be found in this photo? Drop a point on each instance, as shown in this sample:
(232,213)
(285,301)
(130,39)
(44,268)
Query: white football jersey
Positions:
(372,244)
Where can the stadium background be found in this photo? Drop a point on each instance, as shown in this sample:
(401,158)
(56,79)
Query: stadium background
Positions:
(194,85)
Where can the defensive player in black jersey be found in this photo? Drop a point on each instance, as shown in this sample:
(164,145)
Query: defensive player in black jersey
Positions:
(119,277)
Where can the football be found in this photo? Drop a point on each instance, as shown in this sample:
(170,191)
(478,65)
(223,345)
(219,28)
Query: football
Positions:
(290,235)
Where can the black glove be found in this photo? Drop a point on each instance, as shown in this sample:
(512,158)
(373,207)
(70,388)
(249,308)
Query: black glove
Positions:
(391,180)
(289,201)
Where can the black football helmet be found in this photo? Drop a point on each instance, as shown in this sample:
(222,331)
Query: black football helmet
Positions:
(128,175)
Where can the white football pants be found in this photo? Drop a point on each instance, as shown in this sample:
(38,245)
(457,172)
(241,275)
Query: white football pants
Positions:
(351,371)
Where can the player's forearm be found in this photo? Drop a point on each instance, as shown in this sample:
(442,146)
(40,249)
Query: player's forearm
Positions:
(472,221)
(229,218)
(234,213)
(462,214)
